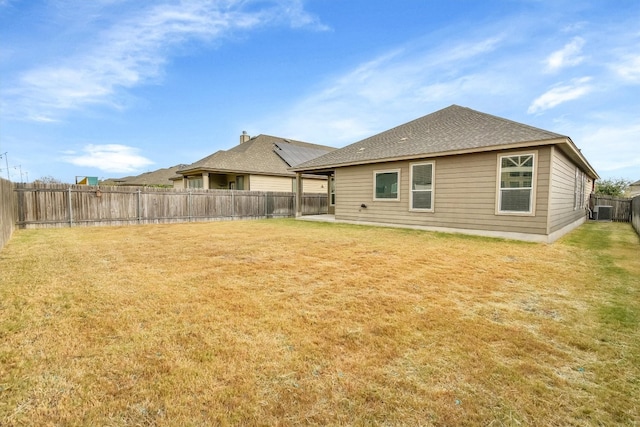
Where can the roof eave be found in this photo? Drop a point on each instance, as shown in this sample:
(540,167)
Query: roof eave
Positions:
(576,155)
(553,141)
(235,172)
(425,155)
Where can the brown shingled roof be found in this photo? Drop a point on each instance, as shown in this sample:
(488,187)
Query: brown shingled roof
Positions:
(160,177)
(256,155)
(452,129)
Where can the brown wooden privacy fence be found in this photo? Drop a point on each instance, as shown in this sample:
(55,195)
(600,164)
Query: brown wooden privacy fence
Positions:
(8,211)
(635,213)
(621,208)
(63,205)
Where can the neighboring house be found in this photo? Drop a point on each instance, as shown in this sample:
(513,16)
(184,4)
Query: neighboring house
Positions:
(634,189)
(260,163)
(157,178)
(460,170)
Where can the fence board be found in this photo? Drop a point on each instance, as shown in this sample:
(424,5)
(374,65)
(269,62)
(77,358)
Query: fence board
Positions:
(621,207)
(56,205)
(8,211)
(635,213)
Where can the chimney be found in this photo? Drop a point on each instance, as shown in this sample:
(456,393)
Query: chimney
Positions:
(244,137)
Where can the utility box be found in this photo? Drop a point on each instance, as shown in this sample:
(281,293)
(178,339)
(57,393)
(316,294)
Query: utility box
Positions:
(603,213)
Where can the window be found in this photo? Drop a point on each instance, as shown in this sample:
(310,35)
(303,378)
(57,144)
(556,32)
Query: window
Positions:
(195,182)
(516,183)
(386,185)
(422,186)
(240,182)
(332,190)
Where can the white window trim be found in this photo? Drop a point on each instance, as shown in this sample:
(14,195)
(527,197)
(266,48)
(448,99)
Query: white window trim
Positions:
(433,186)
(534,179)
(375,173)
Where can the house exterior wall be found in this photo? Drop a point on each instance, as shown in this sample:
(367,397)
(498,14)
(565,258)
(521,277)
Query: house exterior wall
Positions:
(286,184)
(465,194)
(260,183)
(310,185)
(563,209)
(270,183)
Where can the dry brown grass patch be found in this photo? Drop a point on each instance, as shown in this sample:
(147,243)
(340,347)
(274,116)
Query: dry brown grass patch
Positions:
(287,323)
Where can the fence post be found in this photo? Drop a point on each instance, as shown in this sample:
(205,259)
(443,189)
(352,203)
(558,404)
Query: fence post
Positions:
(139,210)
(21,211)
(635,214)
(70,208)
(189,203)
(233,205)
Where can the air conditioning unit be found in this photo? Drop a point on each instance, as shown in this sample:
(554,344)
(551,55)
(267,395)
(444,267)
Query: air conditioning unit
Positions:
(603,213)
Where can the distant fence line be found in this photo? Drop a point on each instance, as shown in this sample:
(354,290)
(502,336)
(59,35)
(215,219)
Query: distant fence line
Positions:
(55,205)
(635,213)
(8,211)
(621,208)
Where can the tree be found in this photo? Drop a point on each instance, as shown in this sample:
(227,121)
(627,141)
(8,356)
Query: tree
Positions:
(615,187)
(47,180)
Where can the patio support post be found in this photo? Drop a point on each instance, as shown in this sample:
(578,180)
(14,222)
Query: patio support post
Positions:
(299,193)
(205,180)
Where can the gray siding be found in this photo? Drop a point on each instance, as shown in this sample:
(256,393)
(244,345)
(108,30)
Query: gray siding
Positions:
(561,204)
(465,192)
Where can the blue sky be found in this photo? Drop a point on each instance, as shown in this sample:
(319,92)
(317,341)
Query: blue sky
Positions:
(110,88)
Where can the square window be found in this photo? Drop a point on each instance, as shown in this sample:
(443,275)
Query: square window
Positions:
(386,185)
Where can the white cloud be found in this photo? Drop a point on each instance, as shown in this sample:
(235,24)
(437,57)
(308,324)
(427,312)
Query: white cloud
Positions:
(611,148)
(388,89)
(628,68)
(294,12)
(568,56)
(573,27)
(133,51)
(560,94)
(114,158)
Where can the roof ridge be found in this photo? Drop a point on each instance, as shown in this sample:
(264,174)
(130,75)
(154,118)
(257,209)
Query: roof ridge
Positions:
(294,140)
(511,121)
(451,129)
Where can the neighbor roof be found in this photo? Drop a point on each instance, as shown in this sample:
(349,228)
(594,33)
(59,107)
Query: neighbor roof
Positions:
(157,177)
(452,130)
(262,154)
(295,154)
